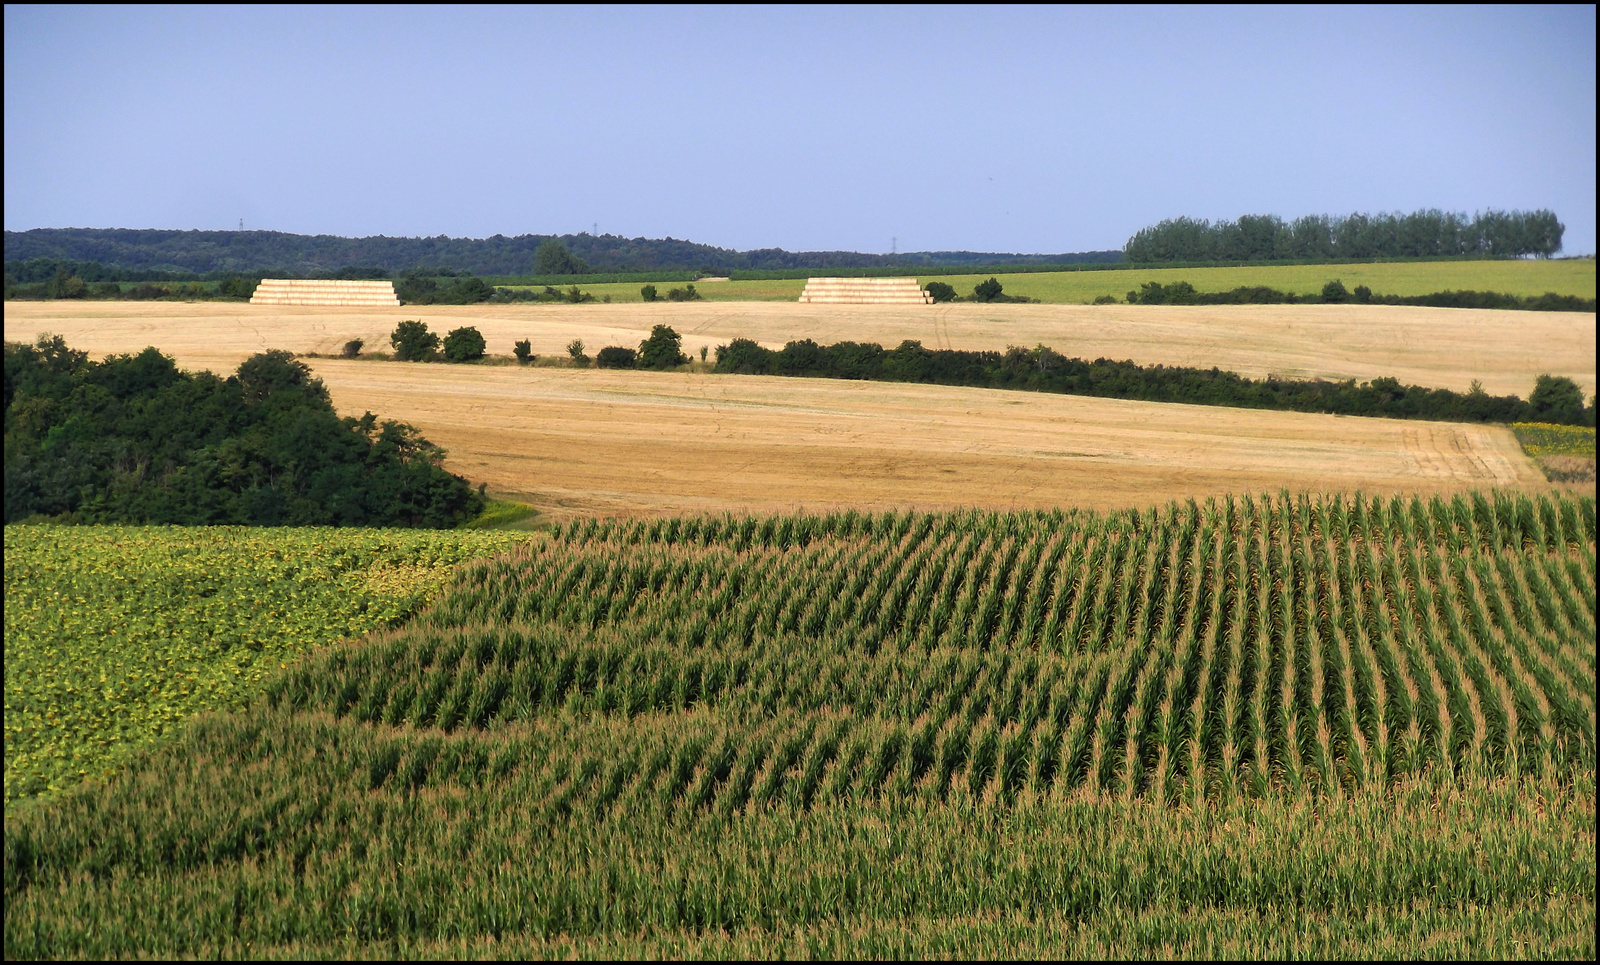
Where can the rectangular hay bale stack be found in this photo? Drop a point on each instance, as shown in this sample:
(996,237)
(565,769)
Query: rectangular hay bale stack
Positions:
(325,293)
(864,291)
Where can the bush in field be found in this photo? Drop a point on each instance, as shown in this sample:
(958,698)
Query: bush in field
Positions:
(648,293)
(523,350)
(464,345)
(614,357)
(1334,293)
(1556,398)
(662,350)
(352,348)
(575,352)
(413,342)
(685,294)
(745,357)
(987,291)
(940,291)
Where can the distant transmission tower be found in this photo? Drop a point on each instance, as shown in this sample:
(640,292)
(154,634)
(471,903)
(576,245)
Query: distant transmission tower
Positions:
(894,246)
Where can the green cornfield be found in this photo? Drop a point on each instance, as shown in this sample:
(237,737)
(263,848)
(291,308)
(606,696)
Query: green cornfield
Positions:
(1262,727)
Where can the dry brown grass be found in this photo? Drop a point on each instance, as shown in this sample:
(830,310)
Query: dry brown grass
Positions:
(587,442)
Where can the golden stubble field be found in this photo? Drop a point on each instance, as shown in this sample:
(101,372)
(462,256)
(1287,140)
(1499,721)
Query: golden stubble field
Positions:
(1435,347)
(589,442)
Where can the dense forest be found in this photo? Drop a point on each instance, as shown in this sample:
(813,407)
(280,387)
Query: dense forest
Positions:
(134,440)
(1421,234)
(124,254)
(1041,369)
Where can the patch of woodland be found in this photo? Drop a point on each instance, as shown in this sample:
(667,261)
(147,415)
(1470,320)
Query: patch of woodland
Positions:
(132,439)
(1420,234)
(1554,399)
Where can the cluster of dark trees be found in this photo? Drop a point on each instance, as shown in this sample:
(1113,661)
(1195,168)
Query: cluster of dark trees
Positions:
(132,439)
(685,294)
(1041,369)
(1334,293)
(412,342)
(1422,234)
(295,256)
(662,350)
(984,291)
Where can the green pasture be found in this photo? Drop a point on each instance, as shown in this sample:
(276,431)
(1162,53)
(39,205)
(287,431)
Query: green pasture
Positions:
(114,635)
(1522,278)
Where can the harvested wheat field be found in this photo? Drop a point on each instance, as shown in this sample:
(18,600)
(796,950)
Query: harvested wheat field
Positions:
(607,443)
(588,442)
(1435,347)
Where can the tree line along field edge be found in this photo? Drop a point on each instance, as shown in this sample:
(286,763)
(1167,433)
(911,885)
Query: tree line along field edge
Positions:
(1249,708)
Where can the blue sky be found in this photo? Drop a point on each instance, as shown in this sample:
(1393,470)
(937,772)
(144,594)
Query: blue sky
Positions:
(989,129)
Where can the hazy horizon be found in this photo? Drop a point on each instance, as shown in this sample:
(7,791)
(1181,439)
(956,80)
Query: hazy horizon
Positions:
(1005,130)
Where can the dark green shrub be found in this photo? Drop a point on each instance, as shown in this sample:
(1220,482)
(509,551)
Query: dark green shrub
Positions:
(575,351)
(1334,293)
(744,357)
(648,293)
(987,291)
(685,294)
(352,348)
(413,342)
(1556,398)
(1106,300)
(662,350)
(464,345)
(940,291)
(523,351)
(614,357)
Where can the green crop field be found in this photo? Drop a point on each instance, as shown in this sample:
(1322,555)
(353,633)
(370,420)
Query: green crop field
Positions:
(115,634)
(1522,278)
(1262,727)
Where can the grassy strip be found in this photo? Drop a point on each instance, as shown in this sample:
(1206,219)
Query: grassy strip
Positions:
(499,514)
(114,635)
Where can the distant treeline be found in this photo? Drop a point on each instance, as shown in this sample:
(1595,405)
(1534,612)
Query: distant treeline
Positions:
(1554,399)
(1334,293)
(932,271)
(282,255)
(134,440)
(1421,234)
